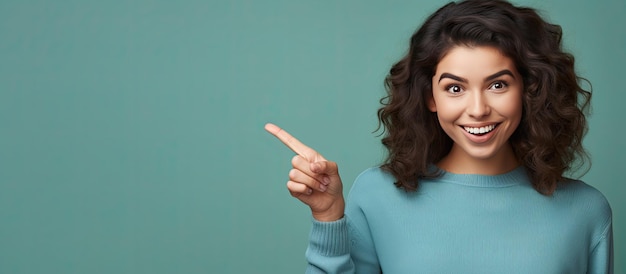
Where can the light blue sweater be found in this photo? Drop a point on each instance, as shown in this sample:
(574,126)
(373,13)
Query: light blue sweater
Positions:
(465,224)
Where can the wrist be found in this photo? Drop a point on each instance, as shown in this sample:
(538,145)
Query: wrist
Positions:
(334,213)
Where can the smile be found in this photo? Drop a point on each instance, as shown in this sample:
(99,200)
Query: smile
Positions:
(480,130)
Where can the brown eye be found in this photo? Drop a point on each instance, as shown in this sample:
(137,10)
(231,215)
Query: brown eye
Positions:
(454,89)
(498,85)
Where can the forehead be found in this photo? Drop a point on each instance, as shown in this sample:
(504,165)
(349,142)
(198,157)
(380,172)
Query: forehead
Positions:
(474,61)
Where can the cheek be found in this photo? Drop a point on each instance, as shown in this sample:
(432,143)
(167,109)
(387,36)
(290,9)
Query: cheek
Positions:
(447,110)
(513,109)
(447,117)
(518,105)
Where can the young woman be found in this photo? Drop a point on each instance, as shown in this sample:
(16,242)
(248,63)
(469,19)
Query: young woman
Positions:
(483,117)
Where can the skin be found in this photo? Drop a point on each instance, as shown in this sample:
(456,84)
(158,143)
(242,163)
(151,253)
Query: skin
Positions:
(313,180)
(475,87)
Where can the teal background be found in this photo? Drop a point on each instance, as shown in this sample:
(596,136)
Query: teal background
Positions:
(131,132)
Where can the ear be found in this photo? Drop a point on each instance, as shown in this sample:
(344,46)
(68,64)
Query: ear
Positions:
(430,102)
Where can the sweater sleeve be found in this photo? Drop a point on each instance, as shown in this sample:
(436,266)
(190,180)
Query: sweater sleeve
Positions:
(601,257)
(336,247)
(346,245)
(328,250)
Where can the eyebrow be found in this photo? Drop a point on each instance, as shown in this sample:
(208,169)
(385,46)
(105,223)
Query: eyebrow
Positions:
(488,78)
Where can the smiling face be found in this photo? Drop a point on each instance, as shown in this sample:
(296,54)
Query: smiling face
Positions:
(477,95)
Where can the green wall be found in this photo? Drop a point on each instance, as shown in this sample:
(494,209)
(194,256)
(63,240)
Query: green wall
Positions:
(131,132)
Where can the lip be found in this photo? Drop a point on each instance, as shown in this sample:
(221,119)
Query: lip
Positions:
(480,139)
(480,125)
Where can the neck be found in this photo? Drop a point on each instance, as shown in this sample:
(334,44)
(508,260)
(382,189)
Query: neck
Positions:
(459,162)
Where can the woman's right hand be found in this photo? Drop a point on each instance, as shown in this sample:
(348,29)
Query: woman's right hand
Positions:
(313,180)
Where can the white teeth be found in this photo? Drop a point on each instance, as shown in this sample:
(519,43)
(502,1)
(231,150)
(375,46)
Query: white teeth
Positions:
(479,130)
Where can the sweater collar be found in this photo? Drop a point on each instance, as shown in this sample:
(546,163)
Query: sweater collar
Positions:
(515,177)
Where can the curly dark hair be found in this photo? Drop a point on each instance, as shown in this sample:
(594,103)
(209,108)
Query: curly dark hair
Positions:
(548,141)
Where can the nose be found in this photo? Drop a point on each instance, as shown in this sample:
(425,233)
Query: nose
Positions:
(478,105)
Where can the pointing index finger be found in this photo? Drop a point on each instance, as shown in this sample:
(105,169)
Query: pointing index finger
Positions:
(294,144)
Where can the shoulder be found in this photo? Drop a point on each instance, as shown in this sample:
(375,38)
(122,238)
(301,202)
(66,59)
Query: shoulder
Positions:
(581,192)
(371,183)
(373,177)
(590,207)
(585,199)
